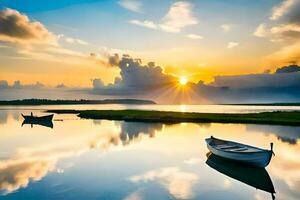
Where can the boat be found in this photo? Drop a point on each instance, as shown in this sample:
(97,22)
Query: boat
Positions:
(36,118)
(43,120)
(240,152)
(256,177)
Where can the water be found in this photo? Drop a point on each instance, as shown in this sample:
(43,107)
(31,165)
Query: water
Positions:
(179,108)
(101,159)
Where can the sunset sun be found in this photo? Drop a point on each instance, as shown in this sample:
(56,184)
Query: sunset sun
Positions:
(183,80)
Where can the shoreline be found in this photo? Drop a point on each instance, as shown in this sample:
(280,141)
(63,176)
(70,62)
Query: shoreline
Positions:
(271,118)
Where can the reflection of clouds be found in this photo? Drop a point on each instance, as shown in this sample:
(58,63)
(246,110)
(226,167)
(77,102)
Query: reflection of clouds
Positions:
(132,130)
(289,134)
(17,174)
(33,163)
(192,161)
(134,196)
(287,168)
(3,116)
(226,183)
(178,183)
(97,122)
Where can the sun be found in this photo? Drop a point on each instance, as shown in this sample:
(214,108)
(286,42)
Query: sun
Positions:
(183,80)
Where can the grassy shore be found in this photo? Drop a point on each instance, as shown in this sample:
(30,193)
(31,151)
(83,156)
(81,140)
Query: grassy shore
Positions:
(279,118)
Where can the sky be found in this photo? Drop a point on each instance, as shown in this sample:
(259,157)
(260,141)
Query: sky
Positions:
(131,48)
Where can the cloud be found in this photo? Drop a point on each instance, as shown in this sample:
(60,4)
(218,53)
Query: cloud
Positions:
(114,60)
(17,28)
(231,45)
(287,31)
(226,27)
(261,31)
(192,161)
(18,85)
(75,41)
(178,183)
(3,84)
(146,24)
(194,36)
(279,79)
(132,5)
(281,9)
(178,17)
(135,78)
(288,69)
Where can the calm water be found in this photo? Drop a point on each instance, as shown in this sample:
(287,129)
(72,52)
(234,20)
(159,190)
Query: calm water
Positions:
(99,159)
(180,108)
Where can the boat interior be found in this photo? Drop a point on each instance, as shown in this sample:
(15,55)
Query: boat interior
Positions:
(232,147)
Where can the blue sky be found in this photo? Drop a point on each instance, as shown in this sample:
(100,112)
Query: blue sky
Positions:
(198,40)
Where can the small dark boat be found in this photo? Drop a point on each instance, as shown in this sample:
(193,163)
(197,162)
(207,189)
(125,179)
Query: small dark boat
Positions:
(253,176)
(36,118)
(43,120)
(240,152)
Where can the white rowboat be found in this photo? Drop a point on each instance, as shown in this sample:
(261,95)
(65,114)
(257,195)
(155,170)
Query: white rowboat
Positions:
(240,152)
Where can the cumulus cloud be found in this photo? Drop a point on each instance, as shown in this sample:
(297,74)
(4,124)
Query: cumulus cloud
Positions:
(178,183)
(105,59)
(289,25)
(286,31)
(261,31)
(16,27)
(288,69)
(231,45)
(18,85)
(282,9)
(194,36)
(178,17)
(132,5)
(135,78)
(279,79)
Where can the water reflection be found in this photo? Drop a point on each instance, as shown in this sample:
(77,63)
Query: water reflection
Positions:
(132,130)
(178,183)
(255,177)
(127,160)
(3,117)
(5,114)
(288,134)
(48,124)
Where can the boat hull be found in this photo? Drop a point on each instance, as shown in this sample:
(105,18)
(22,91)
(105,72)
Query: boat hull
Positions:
(258,159)
(30,118)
